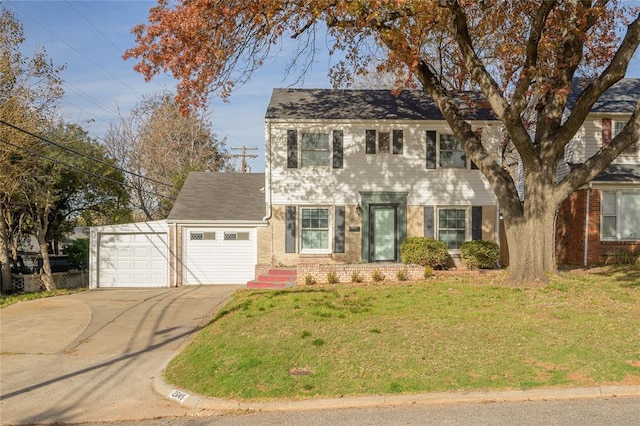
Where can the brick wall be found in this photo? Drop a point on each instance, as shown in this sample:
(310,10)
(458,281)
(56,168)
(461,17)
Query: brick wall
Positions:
(343,273)
(570,232)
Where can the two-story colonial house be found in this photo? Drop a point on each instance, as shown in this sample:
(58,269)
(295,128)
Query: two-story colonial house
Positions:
(350,174)
(602,220)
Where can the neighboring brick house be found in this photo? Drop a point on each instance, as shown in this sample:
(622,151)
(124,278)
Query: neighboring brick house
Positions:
(349,174)
(601,220)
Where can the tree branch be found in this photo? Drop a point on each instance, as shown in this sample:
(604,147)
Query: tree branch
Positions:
(518,102)
(599,161)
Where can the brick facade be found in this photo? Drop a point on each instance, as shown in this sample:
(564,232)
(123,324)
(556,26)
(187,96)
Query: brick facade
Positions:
(570,232)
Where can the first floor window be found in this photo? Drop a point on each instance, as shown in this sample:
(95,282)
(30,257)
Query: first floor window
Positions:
(451,153)
(314,229)
(315,149)
(452,227)
(620,215)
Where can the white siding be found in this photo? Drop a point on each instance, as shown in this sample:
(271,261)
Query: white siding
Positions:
(219,261)
(374,172)
(588,140)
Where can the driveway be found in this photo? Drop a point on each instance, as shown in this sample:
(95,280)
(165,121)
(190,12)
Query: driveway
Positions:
(92,356)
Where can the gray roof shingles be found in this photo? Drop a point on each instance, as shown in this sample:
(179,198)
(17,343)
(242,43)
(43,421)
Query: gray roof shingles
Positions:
(330,104)
(220,197)
(622,97)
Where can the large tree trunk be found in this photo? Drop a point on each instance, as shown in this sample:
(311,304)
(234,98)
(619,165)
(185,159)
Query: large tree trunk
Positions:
(531,247)
(531,230)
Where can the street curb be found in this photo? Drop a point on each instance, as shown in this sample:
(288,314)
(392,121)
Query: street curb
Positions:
(200,402)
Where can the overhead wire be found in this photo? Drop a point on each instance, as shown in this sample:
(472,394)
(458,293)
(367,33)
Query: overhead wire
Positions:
(89,157)
(73,166)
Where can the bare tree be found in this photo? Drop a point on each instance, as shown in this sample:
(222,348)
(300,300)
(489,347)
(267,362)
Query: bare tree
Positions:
(161,146)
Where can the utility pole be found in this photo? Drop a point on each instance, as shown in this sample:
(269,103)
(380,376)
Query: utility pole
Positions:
(244,156)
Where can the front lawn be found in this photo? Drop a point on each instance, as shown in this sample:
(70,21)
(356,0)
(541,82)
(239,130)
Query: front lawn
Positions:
(10,299)
(448,333)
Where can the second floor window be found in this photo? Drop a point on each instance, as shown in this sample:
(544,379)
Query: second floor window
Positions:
(452,156)
(315,149)
(632,150)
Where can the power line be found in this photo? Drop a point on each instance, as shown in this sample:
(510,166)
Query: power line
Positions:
(82,154)
(80,169)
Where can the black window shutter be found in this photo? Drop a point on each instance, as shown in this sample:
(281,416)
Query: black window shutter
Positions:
(337,149)
(476,222)
(431,149)
(338,241)
(292,149)
(397,141)
(428,222)
(290,229)
(371,142)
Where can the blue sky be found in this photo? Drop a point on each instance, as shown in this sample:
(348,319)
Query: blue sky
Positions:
(89,37)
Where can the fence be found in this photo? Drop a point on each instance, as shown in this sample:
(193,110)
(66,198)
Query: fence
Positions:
(30,283)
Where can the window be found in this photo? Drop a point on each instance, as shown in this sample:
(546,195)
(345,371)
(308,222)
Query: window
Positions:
(620,215)
(384,143)
(236,236)
(632,150)
(196,236)
(451,153)
(315,149)
(381,142)
(452,227)
(314,230)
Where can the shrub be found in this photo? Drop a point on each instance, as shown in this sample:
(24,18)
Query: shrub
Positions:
(481,254)
(627,257)
(428,272)
(355,277)
(332,277)
(402,274)
(78,252)
(309,280)
(377,276)
(424,252)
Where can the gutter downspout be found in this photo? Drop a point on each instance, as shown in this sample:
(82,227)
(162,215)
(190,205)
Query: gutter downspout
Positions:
(586,226)
(267,176)
(267,184)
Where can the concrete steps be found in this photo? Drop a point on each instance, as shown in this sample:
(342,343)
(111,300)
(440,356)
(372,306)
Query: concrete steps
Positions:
(275,279)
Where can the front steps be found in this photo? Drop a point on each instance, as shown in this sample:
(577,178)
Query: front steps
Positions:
(275,278)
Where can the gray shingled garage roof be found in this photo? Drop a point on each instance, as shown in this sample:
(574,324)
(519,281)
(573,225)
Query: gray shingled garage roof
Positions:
(221,197)
(332,104)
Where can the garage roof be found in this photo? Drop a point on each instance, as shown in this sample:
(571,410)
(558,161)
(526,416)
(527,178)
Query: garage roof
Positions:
(220,197)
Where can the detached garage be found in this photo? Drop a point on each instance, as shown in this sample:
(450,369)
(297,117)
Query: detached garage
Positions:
(130,255)
(215,220)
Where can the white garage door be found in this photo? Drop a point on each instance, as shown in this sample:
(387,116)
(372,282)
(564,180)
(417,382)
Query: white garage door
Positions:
(219,256)
(133,260)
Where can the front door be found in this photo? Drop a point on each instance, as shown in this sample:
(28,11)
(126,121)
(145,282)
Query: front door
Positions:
(383,233)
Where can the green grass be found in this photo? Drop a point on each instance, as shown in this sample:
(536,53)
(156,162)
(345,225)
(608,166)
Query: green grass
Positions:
(460,333)
(465,332)
(6,300)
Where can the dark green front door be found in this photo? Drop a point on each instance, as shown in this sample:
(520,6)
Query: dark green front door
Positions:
(383,233)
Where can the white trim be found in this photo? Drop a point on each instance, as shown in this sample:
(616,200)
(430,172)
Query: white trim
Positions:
(467,222)
(330,226)
(618,216)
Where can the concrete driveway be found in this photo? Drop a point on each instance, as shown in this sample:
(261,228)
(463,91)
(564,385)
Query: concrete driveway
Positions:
(92,356)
